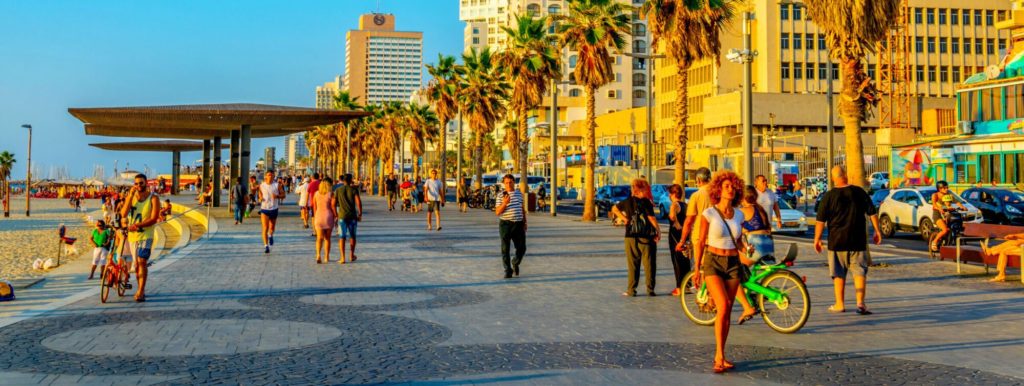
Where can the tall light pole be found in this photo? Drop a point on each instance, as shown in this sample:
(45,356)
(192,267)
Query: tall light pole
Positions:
(746,57)
(649,153)
(458,164)
(831,127)
(28,174)
(553,131)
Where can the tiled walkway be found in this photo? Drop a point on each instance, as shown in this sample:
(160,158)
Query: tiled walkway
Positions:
(433,308)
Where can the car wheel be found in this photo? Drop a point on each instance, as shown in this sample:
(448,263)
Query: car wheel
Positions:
(887,227)
(926,229)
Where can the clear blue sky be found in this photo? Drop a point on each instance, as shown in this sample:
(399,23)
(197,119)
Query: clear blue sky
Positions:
(73,53)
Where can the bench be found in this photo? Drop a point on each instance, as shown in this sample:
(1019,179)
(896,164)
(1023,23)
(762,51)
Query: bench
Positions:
(984,233)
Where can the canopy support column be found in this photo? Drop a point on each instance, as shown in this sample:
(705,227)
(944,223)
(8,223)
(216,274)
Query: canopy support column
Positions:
(245,142)
(216,171)
(233,172)
(175,171)
(206,166)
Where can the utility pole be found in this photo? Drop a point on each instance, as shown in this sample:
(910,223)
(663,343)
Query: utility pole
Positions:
(748,99)
(458,164)
(28,174)
(771,144)
(554,148)
(831,128)
(649,153)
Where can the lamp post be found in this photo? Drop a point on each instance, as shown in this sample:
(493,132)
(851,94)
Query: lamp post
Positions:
(771,144)
(28,174)
(746,57)
(650,109)
(553,131)
(831,128)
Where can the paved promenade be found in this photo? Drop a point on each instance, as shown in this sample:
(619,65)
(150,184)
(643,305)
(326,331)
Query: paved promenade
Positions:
(432,308)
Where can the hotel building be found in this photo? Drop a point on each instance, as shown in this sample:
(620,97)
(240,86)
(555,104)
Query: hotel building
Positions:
(382,64)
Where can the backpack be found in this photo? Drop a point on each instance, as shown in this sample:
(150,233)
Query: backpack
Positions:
(6,291)
(639,224)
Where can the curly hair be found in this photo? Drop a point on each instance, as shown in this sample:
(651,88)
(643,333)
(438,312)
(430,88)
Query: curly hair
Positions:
(715,188)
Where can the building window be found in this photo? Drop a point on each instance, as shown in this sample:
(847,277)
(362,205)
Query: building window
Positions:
(943,45)
(476,30)
(822,70)
(618,77)
(809,41)
(639,80)
(965,16)
(821,42)
(798,70)
(931,45)
(784,41)
(871,71)
(798,13)
(967,45)
(1002,44)
(785,69)
(476,40)
(931,73)
(977,46)
(835,71)
(612,94)
(572,61)
(639,64)
(956,74)
(917,16)
(919,44)
(954,16)
(989,18)
(930,15)
(554,9)
(639,94)
(574,92)
(533,10)
(797,41)
(639,29)
(955,45)
(639,46)
(784,12)
(977,17)
(990,45)
(942,16)
(943,74)
(919,74)
(810,71)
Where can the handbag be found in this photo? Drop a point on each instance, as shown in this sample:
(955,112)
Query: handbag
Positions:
(639,225)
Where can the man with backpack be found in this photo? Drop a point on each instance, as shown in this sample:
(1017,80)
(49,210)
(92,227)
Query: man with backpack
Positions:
(642,235)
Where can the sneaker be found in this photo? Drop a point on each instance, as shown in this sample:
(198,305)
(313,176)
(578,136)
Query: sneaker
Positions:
(675,292)
(266,249)
(271,240)
(515,271)
(508,275)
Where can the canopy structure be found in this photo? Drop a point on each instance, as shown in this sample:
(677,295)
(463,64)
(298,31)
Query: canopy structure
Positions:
(238,121)
(175,147)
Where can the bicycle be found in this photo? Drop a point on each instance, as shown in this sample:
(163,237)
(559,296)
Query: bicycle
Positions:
(782,299)
(955,223)
(115,274)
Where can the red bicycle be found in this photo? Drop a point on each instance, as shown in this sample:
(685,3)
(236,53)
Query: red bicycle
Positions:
(116,273)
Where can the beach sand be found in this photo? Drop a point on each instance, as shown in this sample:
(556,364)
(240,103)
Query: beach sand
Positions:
(24,239)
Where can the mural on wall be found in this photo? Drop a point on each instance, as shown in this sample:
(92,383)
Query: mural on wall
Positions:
(911,167)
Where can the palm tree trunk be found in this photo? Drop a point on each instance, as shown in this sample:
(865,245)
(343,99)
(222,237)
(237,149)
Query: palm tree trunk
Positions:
(7,198)
(851,109)
(442,161)
(682,115)
(478,157)
(589,185)
(383,174)
(415,166)
(523,145)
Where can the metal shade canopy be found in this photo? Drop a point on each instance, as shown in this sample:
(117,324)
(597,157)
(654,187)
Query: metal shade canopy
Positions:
(215,117)
(162,146)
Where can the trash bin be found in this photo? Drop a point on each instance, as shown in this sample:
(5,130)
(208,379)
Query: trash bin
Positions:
(531,202)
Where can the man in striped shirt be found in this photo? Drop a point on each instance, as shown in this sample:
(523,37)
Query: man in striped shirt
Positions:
(511,213)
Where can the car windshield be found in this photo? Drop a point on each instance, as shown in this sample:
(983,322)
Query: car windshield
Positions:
(783,205)
(927,193)
(1010,196)
(619,190)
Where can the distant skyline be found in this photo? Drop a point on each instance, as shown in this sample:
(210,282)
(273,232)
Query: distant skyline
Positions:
(61,54)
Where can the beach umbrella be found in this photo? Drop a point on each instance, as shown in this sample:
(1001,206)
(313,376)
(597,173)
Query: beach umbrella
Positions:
(916,156)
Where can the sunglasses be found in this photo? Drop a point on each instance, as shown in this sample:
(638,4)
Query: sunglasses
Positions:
(140,184)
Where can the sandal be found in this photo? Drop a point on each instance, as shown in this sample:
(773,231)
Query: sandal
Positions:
(861,310)
(744,318)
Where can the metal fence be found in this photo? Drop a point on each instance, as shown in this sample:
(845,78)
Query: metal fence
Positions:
(813,162)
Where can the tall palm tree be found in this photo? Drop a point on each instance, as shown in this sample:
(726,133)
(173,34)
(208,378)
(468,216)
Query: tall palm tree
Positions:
(422,127)
(593,28)
(6,165)
(483,93)
(346,102)
(511,140)
(442,93)
(691,31)
(531,59)
(852,29)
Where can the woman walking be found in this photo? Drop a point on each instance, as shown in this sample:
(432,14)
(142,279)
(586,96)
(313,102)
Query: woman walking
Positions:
(717,253)
(324,217)
(676,215)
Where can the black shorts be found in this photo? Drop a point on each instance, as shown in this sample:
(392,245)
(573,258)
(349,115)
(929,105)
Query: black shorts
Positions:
(726,267)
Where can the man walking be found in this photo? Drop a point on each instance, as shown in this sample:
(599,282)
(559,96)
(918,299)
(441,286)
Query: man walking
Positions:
(844,210)
(768,200)
(270,195)
(143,213)
(240,198)
(350,212)
(391,189)
(434,192)
(512,224)
(699,201)
(303,191)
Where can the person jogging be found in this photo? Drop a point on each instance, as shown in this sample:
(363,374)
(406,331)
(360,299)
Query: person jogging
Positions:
(270,195)
(434,193)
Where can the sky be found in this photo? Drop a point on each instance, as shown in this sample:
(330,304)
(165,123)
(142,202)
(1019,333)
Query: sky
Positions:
(98,53)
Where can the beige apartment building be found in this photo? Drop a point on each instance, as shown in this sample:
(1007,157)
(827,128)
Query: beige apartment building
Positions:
(949,40)
(382,64)
(325,94)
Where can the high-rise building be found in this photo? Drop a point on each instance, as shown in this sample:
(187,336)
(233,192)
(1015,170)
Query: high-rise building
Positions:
(382,64)
(270,158)
(325,94)
(948,40)
(295,148)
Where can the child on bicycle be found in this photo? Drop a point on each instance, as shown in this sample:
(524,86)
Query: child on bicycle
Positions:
(942,202)
(757,240)
(101,239)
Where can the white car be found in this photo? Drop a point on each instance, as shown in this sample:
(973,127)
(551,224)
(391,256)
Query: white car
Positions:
(793,221)
(910,210)
(879,180)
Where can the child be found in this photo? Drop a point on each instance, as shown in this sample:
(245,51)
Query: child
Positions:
(165,212)
(101,240)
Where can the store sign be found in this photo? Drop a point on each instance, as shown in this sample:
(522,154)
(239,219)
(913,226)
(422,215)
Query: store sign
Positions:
(941,155)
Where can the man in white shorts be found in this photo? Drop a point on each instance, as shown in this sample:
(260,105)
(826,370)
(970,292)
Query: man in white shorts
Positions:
(434,194)
(270,195)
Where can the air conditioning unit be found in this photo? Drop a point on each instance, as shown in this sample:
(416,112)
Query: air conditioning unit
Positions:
(964,127)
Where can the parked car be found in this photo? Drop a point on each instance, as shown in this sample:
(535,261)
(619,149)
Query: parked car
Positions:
(793,221)
(879,180)
(878,196)
(663,202)
(609,195)
(910,210)
(998,205)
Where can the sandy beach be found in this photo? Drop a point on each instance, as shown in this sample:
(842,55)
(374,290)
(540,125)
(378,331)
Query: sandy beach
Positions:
(22,240)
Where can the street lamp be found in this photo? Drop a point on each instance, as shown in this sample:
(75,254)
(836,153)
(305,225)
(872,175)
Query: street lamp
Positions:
(553,131)
(650,109)
(28,174)
(746,57)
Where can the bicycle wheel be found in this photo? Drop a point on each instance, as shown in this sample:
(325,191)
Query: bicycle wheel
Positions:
(790,314)
(122,279)
(697,304)
(106,281)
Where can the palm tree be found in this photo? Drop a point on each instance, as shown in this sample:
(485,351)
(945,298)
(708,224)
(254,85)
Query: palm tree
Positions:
(484,91)
(593,28)
(691,30)
(346,102)
(852,29)
(511,140)
(442,93)
(531,59)
(6,165)
(421,125)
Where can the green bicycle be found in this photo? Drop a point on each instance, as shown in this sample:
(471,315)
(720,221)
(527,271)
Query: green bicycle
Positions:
(778,294)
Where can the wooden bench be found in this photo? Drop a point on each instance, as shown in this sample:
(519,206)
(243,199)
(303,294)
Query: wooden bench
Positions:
(982,233)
